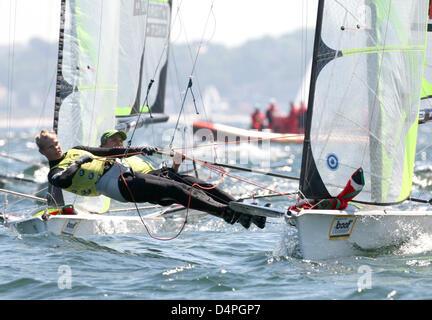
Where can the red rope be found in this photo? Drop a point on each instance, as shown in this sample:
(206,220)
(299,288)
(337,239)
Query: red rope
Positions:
(222,171)
(141,218)
(187,208)
(211,167)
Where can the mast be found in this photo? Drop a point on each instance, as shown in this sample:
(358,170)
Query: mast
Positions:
(55,195)
(58,99)
(311,185)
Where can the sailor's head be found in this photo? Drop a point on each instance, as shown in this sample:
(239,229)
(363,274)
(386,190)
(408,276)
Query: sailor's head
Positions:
(49,145)
(113,139)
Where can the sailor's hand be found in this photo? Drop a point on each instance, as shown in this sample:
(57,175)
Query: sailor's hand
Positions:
(177,160)
(148,150)
(84,159)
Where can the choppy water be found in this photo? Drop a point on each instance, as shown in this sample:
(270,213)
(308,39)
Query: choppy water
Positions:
(210,260)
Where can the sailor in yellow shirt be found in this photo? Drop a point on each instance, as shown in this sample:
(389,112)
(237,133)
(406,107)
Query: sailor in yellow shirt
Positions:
(91,171)
(114,139)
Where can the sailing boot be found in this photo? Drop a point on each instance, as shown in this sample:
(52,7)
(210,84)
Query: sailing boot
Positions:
(259,221)
(232,217)
(244,219)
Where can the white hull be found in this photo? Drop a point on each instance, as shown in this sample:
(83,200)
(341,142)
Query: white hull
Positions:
(327,234)
(86,224)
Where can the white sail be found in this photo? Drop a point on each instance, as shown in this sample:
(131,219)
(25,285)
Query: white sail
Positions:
(143,54)
(426,95)
(108,53)
(364,98)
(90,63)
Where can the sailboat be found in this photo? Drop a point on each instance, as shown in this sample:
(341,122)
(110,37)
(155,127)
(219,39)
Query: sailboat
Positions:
(363,112)
(111,73)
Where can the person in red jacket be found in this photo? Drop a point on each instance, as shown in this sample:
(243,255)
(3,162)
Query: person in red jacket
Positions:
(272,109)
(258,119)
(293,119)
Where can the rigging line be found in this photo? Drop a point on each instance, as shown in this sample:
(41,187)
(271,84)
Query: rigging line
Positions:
(46,99)
(208,40)
(140,113)
(213,166)
(181,110)
(224,172)
(195,61)
(142,219)
(137,104)
(178,15)
(142,61)
(202,38)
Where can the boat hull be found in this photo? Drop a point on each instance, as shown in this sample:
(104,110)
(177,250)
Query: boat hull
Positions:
(86,224)
(325,234)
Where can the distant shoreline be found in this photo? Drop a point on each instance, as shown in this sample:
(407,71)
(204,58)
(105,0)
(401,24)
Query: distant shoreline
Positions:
(25,123)
(47,122)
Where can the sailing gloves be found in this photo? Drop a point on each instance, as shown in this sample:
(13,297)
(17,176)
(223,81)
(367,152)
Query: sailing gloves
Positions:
(148,150)
(84,159)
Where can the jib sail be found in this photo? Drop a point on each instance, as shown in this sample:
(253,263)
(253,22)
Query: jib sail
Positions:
(364,98)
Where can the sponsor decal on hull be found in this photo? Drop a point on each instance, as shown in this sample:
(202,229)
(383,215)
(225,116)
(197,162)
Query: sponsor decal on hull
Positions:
(342,227)
(70,226)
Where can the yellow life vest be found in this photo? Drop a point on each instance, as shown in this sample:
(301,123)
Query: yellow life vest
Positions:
(85,179)
(139,165)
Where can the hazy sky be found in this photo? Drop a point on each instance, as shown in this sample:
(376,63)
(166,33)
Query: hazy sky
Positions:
(232,21)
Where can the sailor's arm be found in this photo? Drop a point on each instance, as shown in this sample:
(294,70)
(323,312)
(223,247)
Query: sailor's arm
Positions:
(118,152)
(62,178)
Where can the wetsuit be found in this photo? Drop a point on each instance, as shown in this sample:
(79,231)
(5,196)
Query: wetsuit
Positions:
(163,186)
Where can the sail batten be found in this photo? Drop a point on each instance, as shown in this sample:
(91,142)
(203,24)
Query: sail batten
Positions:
(364,98)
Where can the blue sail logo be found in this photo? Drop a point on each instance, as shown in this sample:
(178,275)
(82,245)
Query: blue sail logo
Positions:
(332,161)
